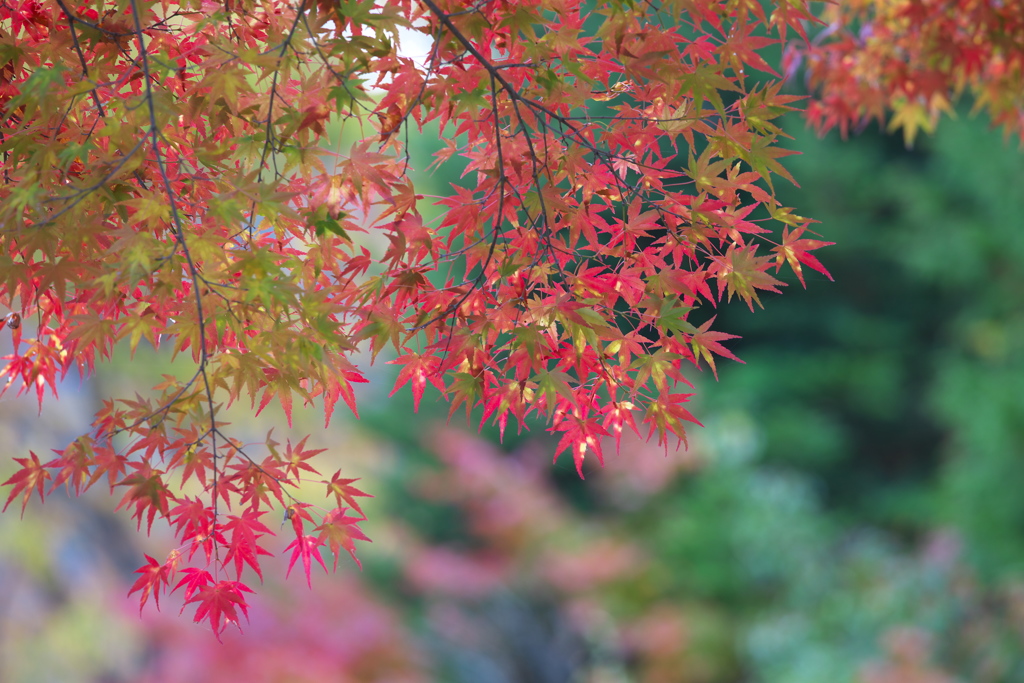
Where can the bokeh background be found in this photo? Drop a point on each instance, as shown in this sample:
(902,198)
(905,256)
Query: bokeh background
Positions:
(853,510)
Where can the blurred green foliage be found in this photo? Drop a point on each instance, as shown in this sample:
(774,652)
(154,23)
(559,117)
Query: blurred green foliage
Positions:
(898,386)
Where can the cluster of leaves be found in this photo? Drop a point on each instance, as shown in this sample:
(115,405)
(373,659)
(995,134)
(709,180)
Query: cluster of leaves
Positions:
(164,181)
(858,478)
(914,58)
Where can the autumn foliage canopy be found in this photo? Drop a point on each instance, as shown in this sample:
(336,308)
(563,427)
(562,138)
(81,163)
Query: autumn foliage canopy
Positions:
(166,181)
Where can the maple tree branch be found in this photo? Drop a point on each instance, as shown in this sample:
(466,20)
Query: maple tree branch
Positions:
(164,409)
(81,194)
(269,142)
(327,65)
(78,50)
(542,220)
(241,451)
(495,225)
(516,97)
(154,134)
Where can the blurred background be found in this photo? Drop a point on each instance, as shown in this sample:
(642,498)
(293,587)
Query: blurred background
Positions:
(852,511)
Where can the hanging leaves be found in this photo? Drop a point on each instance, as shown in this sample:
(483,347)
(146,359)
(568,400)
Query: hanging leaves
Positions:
(164,182)
(913,60)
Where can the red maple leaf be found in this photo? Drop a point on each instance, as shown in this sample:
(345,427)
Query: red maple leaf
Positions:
(419,370)
(31,475)
(340,531)
(580,435)
(793,250)
(220,604)
(194,525)
(154,576)
(308,548)
(195,580)
(342,490)
(147,493)
(244,547)
(705,344)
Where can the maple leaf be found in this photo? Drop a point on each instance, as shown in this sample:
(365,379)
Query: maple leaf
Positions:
(147,493)
(337,384)
(195,462)
(194,581)
(154,575)
(32,475)
(513,399)
(660,366)
(617,415)
(742,273)
(220,603)
(308,548)
(194,524)
(258,482)
(342,490)
(793,250)
(579,436)
(314,118)
(705,344)
(244,547)
(419,370)
(666,415)
(75,463)
(339,531)
(381,327)
(298,515)
(296,457)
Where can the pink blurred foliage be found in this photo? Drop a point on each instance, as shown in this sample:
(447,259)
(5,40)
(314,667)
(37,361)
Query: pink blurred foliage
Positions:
(506,498)
(514,511)
(660,641)
(338,632)
(446,572)
(593,564)
(908,660)
(528,540)
(641,469)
